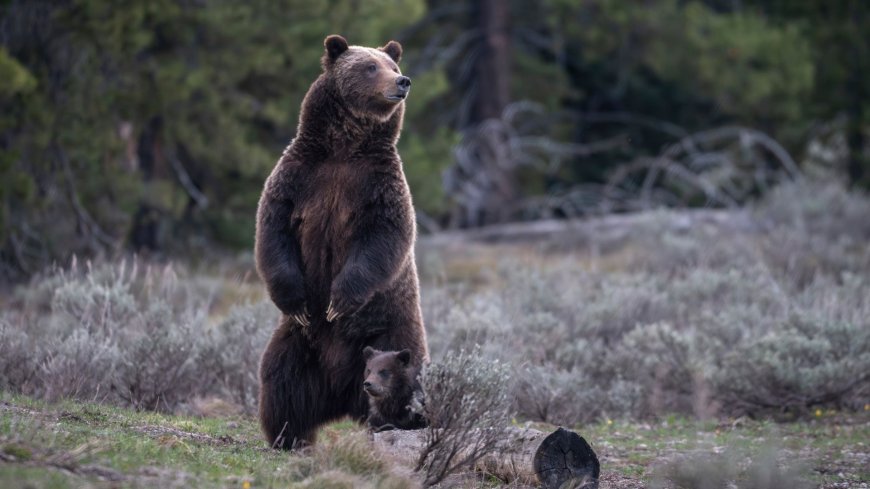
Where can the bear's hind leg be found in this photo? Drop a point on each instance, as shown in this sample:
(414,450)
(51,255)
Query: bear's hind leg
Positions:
(293,397)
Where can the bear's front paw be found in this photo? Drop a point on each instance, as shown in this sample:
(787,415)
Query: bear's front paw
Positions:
(343,306)
(296,310)
(301,318)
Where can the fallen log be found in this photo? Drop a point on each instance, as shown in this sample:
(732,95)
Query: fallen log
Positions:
(527,456)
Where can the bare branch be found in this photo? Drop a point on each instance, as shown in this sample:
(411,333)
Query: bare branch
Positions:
(89,227)
(184,179)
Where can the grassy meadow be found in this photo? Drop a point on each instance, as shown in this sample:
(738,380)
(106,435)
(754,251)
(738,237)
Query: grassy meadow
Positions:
(690,348)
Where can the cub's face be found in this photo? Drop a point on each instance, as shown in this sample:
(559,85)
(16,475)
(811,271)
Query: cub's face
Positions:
(385,371)
(368,79)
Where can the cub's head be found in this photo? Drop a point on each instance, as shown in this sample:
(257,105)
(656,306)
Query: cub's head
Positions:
(386,372)
(368,79)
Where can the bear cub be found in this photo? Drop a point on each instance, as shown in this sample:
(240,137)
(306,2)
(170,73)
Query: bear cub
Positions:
(392,387)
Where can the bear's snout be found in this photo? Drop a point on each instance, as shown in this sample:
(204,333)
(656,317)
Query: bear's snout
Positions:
(372,389)
(404,83)
(403,86)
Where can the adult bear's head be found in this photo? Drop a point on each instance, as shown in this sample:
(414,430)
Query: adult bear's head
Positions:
(367,79)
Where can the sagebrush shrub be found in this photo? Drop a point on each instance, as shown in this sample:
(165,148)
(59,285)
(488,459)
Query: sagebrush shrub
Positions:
(79,366)
(821,208)
(804,364)
(133,335)
(234,347)
(19,356)
(467,404)
(681,319)
(160,357)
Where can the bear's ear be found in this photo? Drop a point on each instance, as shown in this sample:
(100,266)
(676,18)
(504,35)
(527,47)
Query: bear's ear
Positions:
(394,50)
(335,45)
(368,352)
(404,356)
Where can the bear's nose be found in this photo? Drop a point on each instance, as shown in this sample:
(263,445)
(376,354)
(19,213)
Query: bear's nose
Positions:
(404,83)
(367,384)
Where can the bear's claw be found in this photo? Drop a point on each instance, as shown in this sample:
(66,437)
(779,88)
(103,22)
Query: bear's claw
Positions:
(331,313)
(301,319)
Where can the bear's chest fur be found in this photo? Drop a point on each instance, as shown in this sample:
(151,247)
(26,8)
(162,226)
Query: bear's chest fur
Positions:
(326,216)
(328,203)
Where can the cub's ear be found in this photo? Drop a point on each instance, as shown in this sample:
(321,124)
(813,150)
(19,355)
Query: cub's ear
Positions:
(394,50)
(404,356)
(368,352)
(335,45)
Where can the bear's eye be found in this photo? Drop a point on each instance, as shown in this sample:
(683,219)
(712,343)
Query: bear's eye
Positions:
(384,374)
(372,68)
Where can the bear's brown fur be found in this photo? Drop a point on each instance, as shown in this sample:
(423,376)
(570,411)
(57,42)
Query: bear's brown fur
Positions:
(334,245)
(392,386)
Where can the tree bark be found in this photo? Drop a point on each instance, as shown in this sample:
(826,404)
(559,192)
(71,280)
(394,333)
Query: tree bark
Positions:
(493,65)
(145,231)
(526,456)
(858,166)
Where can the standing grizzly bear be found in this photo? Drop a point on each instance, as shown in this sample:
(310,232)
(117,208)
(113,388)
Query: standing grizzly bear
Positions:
(392,386)
(334,245)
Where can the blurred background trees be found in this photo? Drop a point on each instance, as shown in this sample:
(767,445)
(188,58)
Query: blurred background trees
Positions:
(151,125)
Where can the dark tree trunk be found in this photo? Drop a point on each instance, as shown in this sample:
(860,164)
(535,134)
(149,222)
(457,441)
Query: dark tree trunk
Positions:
(145,231)
(858,163)
(493,65)
(484,180)
(857,96)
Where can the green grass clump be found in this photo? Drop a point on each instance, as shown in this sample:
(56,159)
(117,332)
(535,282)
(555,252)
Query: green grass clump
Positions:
(18,452)
(86,443)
